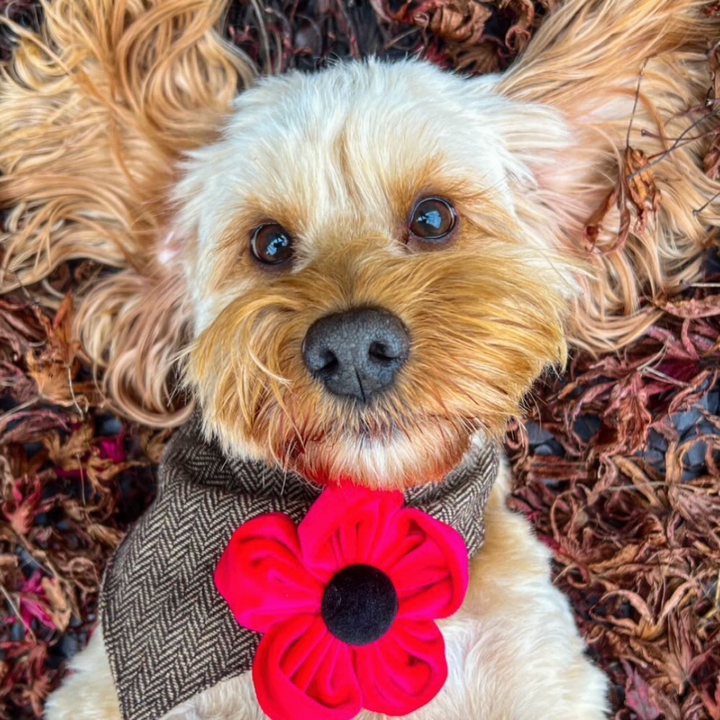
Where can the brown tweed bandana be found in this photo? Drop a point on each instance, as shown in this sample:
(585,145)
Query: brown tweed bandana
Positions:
(168,632)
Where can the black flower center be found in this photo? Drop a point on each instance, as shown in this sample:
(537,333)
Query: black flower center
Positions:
(359,604)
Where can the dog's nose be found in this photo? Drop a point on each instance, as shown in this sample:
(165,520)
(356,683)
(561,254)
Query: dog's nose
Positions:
(356,353)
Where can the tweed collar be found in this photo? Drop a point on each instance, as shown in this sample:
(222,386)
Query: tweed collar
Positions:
(167,631)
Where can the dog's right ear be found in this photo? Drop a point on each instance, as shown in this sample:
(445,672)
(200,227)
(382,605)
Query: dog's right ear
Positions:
(604,88)
(96,111)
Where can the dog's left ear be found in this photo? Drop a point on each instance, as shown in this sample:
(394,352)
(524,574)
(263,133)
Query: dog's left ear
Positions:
(604,87)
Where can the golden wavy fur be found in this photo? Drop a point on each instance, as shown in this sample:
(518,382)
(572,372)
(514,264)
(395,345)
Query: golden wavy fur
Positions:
(96,113)
(588,61)
(122,144)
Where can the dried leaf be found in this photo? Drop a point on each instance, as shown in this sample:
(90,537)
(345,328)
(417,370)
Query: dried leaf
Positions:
(639,696)
(634,195)
(693,307)
(59,605)
(594,225)
(461,21)
(712,702)
(642,190)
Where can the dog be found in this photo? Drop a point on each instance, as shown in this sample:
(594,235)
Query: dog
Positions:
(357,272)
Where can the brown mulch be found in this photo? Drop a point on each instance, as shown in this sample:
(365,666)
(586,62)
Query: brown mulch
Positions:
(617,466)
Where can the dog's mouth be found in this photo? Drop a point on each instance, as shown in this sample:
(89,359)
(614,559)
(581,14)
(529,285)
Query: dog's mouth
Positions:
(384,432)
(382,452)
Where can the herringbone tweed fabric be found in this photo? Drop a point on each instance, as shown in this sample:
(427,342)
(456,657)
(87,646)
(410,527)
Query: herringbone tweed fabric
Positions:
(168,632)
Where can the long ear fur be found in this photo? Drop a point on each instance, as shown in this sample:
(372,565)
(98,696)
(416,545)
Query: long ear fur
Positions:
(95,112)
(586,63)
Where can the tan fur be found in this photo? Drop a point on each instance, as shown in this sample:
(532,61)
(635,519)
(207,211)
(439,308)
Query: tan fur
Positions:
(513,650)
(99,111)
(248,369)
(95,114)
(484,314)
(586,61)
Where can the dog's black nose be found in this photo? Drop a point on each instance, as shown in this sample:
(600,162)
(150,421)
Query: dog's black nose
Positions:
(356,353)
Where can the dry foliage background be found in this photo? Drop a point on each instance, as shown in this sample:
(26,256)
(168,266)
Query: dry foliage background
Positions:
(617,466)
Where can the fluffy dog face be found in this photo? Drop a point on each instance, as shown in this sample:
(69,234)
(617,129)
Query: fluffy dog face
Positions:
(309,206)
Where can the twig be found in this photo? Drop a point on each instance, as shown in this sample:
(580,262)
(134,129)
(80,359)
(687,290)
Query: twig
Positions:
(698,108)
(655,159)
(697,211)
(17,612)
(667,378)
(656,136)
(635,103)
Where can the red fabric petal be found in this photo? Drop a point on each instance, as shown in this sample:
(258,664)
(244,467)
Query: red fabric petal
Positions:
(261,575)
(403,670)
(428,566)
(301,672)
(347,525)
(273,576)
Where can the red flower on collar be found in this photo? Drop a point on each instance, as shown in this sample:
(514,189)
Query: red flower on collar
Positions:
(346,601)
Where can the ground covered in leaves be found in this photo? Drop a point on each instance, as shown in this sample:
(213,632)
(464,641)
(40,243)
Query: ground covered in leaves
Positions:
(617,466)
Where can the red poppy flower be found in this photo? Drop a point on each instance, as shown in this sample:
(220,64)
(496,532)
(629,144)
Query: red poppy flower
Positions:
(346,601)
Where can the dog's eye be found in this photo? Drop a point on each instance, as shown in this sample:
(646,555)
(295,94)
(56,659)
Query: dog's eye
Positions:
(271,244)
(432,220)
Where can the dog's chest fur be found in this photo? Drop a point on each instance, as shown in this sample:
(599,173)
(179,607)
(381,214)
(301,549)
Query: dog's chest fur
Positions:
(159,602)
(513,650)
